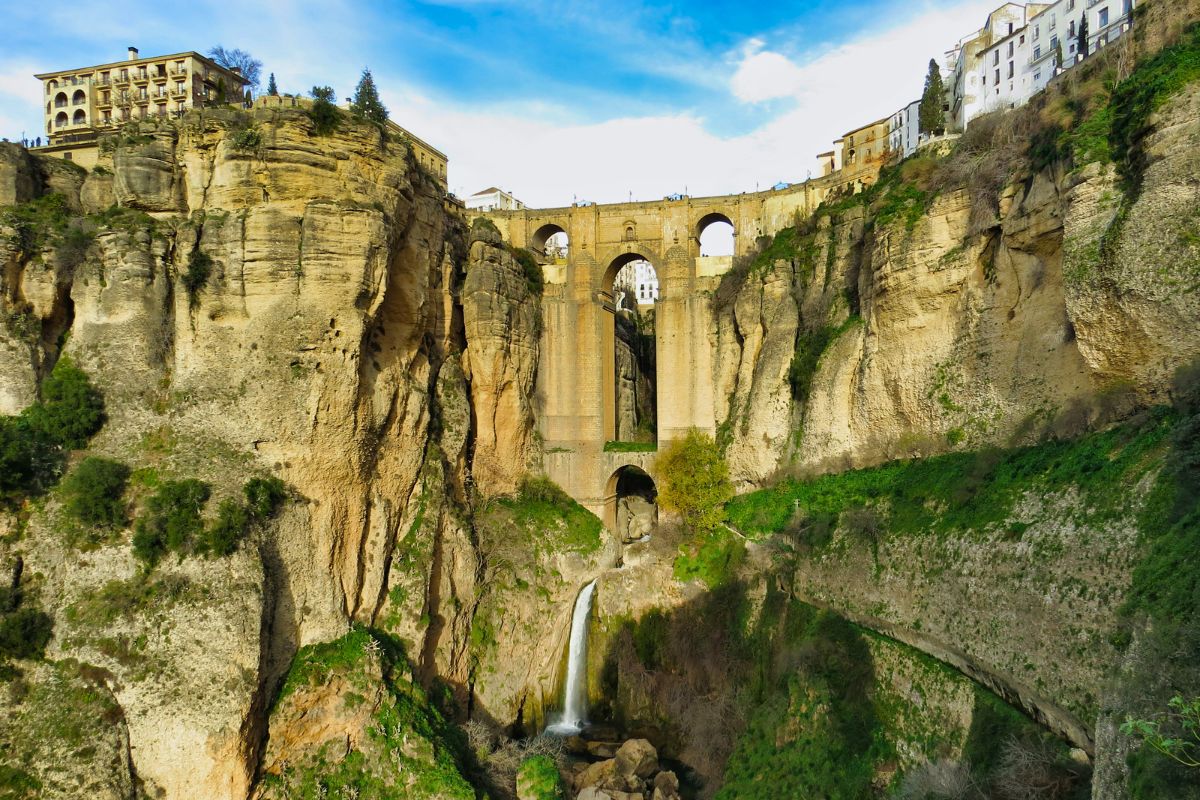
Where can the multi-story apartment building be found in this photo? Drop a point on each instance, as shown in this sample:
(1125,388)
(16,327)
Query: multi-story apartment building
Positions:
(904,130)
(1003,65)
(82,101)
(864,152)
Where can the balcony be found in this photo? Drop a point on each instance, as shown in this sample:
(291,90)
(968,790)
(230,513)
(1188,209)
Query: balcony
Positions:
(121,80)
(178,72)
(141,77)
(177,92)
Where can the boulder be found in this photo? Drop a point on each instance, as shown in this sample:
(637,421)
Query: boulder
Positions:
(637,757)
(599,774)
(666,786)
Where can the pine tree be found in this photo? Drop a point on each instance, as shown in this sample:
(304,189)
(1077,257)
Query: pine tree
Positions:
(1058,53)
(272,88)
(931,116)
(1082,41)
(366,103)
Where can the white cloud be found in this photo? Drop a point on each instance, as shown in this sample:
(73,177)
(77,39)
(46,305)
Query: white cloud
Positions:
(764,75)
(549,163)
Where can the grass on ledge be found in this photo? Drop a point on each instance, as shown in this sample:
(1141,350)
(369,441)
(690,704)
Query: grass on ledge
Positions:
(631,447)
(969,491)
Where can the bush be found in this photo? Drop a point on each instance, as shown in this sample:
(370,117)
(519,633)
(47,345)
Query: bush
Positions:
(694,481)
(531,269)
(325,116)
(196,277)
(172,521)
(71,410)
(224,535)
(29,459)
(24,633)
(93,493)
(264,496)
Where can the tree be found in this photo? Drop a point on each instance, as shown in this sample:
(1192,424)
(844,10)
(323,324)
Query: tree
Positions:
(694,481)
(931,116)
(272,88)
(251,67)
(1058,53)
(94,492)
(324,114)
(1081,43)
(1175,734)
(366,103)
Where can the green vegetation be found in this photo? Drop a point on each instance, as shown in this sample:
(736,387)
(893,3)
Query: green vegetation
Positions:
(173,519)
(93,493)
(325,116)
(249,138)
(24,629)
(195,278)
(1183,715)
(815,732)
(125,599)
(630,447)
(694,482)
(70,412)
(272,86)
(712,557)
(539,779)
(967,491)
(930,116)
(810,346)
(37,223)
(366,103)
(545,517)
(530,268)
(409,751)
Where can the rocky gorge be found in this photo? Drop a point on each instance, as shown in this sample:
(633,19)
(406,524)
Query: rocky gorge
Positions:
(957,410)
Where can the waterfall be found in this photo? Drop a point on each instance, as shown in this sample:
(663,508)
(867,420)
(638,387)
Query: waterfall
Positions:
(574,713)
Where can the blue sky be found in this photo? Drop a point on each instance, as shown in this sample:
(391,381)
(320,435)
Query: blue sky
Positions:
(553,100)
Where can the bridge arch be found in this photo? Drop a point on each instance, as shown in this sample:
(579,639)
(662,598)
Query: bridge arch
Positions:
(716,234)
(547,232)
(630,501)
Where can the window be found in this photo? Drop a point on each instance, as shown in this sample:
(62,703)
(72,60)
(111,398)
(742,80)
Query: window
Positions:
(1010,70)
(997,78)
(1022,38)
(1011,45)
(1010,29)
(1037,32)
(1103,16)
(1037,76)
(66,156)
(1037,52)
(995,56)
(1053,22)
(1071,29)
(1054,43)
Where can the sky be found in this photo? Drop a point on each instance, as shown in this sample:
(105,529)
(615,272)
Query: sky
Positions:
(554,100)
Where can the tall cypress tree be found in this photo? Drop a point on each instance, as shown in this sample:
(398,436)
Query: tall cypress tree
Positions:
(272,89)
(366,102)
(1082,41)
(931,116)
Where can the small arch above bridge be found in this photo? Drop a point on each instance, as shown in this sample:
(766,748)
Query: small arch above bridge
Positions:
(631,503)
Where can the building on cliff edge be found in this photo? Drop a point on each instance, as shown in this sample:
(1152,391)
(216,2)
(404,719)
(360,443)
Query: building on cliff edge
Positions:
(83,101)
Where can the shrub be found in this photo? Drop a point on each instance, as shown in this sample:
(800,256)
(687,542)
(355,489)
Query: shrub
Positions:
(93,492)
(71,410)
(29,459)
(196,277)
(227,531)
(264,496)
(325,116)
(531,270)
(246,139)
(24,633)
(172,521)
(694,481)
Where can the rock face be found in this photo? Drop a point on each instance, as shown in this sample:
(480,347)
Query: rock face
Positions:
(278,303)
(931,337)
(501,317)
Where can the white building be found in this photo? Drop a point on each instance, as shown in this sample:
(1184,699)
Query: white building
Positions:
(493,199)
(639,279)
(904,130)
(1017,52)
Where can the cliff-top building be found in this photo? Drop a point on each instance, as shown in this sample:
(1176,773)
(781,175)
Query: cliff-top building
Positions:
(82,101)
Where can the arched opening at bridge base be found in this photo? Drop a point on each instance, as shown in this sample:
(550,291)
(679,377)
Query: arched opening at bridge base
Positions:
(550,243)
(630,352)
(631,504)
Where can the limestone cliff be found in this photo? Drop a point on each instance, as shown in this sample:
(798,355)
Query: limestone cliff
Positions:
(252,298)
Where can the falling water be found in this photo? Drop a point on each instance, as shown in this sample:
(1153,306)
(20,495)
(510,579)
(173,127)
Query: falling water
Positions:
(574,713)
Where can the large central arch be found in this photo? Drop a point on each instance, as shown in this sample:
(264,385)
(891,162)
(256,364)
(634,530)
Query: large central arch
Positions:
(608,341)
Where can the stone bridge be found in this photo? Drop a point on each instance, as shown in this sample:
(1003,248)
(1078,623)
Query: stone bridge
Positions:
(576,375)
